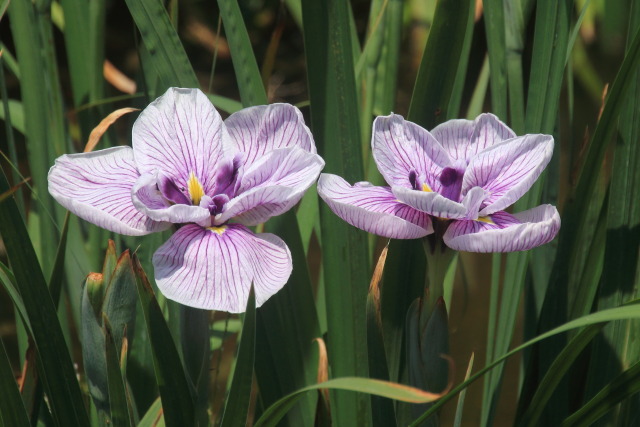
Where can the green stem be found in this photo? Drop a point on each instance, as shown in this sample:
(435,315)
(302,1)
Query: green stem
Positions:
(439,256)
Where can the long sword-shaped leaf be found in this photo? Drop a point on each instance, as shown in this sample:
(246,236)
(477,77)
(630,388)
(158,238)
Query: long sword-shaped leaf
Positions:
(620,348)
(334,115)
(624,385)
(175,390)
(630,311)
(12,411)
(363,385)
(57,370)
(445,47)
(236,408)
(288,322)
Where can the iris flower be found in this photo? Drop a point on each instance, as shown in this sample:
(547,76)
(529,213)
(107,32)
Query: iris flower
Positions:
(460,176)
(190,169)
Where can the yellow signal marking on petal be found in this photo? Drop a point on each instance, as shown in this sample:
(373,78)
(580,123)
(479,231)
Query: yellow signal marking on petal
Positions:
(221,229)
(426,188)
(195,189)
(486,219)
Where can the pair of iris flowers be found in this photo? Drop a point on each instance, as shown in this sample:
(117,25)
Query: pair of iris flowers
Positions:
(211,179)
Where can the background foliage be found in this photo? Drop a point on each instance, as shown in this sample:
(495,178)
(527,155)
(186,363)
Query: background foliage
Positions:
(562,316)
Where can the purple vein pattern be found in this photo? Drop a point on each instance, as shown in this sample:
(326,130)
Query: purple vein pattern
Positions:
(462,174)
(209,178)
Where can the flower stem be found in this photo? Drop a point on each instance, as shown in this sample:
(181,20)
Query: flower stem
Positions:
(439,257)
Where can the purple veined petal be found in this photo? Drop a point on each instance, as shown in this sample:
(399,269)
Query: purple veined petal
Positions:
(258,130)
(402,149)
(506,232)
(463,139)
(214,268)
(507,170)
(472,202)
(148,199)
(180,133)
(430,202)
(373,209)
(272,185)
(97,187)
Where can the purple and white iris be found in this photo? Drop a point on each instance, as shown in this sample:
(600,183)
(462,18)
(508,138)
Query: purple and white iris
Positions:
(189,168)
(462,174)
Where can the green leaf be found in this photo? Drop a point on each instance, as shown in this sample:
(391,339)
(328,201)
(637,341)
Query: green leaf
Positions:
(175,390)
(445,47)
(118,403)
(383,411)
(16,112)
(236,408)
(629,311)
(244,62)
(556,372)
(624,385)
(165,52)
(154,416)
(497,47)
(390,390)
(12,411)
(286,327)
(334,111)
(57,370)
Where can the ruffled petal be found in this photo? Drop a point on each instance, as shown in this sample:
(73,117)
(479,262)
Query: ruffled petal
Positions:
(402,149)
(180,133)
(430,202)
(373,209)
(148,199)
(214,268)
(272,185)
(261,129)
(463,139)
(97,187)
(508,170)
(505,232)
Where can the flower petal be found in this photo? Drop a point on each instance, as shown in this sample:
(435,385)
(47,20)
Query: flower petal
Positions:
(272,185)
(373,209)
(506,233)
(463,139)
(180,133)
(148,199)
(214,268)
(97,187)
(507,170)
(401,147)
(430,202)
(258,130)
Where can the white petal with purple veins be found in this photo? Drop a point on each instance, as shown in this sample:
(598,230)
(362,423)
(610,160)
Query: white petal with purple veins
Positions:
(401,147)
(463,139)
(373,209)
(214,268)
(430,202)
(97,187)
(180,133)
(258,130)
(505,232)
(507,170)
(148,199)
(272,185)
